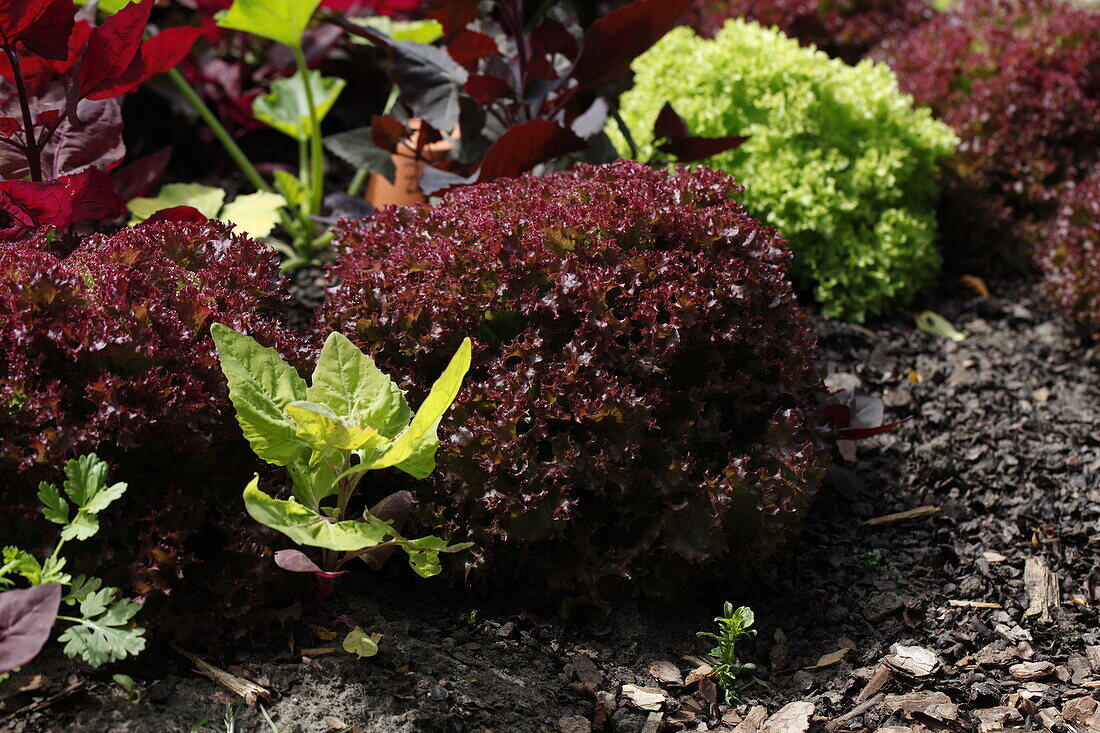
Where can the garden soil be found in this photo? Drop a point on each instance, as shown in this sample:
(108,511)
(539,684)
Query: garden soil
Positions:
(974,609)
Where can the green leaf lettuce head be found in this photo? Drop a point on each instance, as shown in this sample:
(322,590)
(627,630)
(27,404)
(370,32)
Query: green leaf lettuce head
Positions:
(837,159)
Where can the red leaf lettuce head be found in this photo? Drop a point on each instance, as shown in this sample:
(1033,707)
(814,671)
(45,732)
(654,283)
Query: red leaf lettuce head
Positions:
(1069,254)
(643,405)
(107,349)
(1018,81)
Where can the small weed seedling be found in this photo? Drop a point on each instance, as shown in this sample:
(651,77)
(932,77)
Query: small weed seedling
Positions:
(351,419)
(733,626)
(102,631)
(472,618)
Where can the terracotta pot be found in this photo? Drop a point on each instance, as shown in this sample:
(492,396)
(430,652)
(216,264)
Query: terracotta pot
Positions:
(405,188)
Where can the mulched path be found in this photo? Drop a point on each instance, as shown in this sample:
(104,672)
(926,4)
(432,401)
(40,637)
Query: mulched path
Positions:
(1003,452)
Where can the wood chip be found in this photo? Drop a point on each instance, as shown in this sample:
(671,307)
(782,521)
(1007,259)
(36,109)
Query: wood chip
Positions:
(703,670)
(933,704)
(993,556)
(913,660)
(838,722)
(645,698)
(574,724)
(828,660)
(653,723)
(1093,654)
(585,669)
(1027,671)
(321,651)
(246,689)
(792,718)
(878,680)
(993,720)
(754,720)
(973,604)
(1083,711)
(975,284)
(921,511)
(666,673)
(1042,590)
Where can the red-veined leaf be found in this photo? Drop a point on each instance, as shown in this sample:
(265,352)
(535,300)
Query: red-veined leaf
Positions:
(296,561)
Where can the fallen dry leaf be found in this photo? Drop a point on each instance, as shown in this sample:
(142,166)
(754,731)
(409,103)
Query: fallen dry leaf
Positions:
(974,284)
(828,660)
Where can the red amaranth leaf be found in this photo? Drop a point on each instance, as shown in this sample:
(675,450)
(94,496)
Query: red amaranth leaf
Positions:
(526,145)
(296,561)
(112,47)
(26,618)
(41,26)
(56,203)
(619,37)
(468,47)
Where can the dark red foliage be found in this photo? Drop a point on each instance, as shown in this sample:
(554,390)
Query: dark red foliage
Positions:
(526,87)
(107,349)
(1020,82)
(643,400)
(26,205)
(1070,254)
(845,29)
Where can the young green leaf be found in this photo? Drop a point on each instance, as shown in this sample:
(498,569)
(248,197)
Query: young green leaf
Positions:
(54,508)
(291,187)
(286,107)
(254,214)
(424,554)
(323,430)
(261,385)
(424,424)
(207,200)
(307,527)
(279,20)
(105,638)
(87,488)
(935,324)
(349,382)
(361,644)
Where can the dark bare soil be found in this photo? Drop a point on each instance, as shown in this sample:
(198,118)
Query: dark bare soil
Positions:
(1004,443)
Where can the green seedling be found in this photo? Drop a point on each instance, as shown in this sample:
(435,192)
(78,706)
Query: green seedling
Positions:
(350,419)
(733,626)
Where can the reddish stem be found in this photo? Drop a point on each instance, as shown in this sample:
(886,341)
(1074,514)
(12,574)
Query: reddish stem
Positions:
(32,151)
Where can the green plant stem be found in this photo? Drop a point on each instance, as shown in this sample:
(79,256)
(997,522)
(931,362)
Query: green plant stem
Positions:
(358,182)
(219,131)
(317,176)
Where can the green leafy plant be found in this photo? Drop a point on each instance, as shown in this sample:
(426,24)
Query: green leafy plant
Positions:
(350,419)
(254,214)
(102,632)
(294,106)
(837,159)
(733,626)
